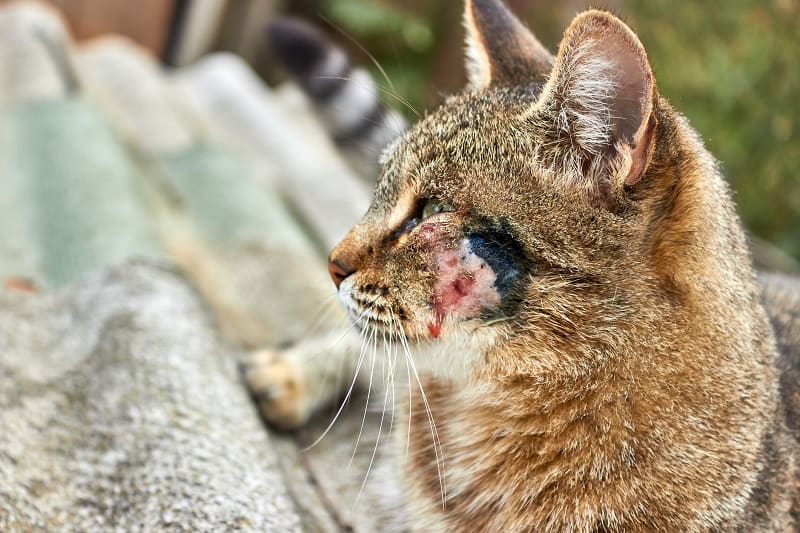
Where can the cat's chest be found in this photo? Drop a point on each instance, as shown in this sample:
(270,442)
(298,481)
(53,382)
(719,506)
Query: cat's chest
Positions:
(454,361)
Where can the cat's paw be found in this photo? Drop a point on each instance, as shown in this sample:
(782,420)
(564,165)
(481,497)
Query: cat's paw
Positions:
(279,387)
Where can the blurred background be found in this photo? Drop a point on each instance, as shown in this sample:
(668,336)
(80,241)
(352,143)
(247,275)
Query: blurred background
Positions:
(730,67)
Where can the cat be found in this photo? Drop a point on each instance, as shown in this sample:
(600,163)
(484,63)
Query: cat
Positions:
(562,257)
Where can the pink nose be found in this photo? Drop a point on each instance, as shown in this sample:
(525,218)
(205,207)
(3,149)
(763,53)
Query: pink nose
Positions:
(339,271)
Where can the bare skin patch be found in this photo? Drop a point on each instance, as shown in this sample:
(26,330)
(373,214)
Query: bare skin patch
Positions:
(465,285)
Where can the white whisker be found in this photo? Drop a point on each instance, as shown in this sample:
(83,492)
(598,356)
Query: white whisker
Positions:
(437,446)
(377,443)
(366,402)
(346,399)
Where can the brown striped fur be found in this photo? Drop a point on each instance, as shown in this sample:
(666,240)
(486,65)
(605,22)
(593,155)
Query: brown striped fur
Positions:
(627,378)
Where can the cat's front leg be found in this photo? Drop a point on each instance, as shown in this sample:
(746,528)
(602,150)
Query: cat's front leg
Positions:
(291,385)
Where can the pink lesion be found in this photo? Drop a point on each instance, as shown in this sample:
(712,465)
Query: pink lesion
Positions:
(464,285)
(430,233)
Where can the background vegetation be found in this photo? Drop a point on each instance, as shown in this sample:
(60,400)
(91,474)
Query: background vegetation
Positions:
(731,67)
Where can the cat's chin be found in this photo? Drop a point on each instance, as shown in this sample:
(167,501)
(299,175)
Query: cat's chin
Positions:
(412,335)
(453,356)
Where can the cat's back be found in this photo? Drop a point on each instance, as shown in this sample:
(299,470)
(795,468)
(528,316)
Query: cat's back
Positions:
(781,297)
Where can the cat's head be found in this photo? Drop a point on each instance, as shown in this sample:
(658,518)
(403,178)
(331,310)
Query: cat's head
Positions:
(517,204)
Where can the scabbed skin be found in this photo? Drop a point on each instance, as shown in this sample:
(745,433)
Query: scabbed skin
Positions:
(465,284)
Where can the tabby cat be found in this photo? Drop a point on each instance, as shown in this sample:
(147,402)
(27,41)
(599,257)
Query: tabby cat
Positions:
(559,252)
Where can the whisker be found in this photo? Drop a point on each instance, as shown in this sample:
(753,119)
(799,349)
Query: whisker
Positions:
(385,90)
(322,317)
(344,402)
(354,322)
(362,338)
(377,443)
(437,446)
(366,407)
(410,407)
(360,47)
(393,355)
(396,326)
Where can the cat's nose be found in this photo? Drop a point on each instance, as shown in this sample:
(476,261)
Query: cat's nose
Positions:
(339,270)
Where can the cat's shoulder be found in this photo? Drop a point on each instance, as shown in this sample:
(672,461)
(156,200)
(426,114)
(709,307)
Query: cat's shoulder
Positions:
(781,297)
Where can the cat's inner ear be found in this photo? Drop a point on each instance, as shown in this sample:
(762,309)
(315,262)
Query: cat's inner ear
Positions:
(500,49)
(599,98)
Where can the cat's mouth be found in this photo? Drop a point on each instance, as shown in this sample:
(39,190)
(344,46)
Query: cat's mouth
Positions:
(375,315)
(370,308)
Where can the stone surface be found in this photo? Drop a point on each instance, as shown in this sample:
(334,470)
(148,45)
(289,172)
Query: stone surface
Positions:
(34,54)
(120,408)
(125,81)
(229,230)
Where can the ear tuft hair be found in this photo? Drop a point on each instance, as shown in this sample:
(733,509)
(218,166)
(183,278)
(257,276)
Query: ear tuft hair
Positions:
(598,106)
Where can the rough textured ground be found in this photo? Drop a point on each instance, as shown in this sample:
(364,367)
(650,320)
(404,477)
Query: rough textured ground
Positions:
(120,407)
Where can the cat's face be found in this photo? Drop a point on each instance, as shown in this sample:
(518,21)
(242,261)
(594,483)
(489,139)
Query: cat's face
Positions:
(438,241)
(508,192)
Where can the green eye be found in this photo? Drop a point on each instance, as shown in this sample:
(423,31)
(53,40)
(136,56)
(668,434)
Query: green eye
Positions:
(435,206)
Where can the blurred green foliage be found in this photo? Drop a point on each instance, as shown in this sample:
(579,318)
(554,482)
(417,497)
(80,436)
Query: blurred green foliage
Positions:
(730,67)
(399,45)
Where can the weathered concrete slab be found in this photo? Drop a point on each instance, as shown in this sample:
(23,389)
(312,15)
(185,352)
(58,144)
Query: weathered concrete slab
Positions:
(121,409)
(80,201)
(126,83)
(110,419)
(228,229)
(70,202)
(353,466)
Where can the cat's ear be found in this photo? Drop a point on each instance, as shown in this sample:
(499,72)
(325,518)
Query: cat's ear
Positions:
(500,49)
(598,102)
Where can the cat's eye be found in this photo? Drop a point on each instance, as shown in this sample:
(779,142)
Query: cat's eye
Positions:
(434,206)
